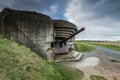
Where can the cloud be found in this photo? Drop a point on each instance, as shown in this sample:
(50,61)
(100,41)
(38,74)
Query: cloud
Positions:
(6,3)
(99,17)
(48,7)
(103,8)
(51,11)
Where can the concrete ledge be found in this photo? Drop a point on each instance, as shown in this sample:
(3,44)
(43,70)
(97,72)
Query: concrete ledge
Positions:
(76,56)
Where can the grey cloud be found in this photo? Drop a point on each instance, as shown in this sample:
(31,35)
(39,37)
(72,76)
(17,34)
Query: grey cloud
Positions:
(33,5)
(100,17)
(103,8)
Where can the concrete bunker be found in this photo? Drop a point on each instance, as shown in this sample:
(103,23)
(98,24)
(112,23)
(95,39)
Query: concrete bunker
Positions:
(31,29)
(63,29)
(39,32)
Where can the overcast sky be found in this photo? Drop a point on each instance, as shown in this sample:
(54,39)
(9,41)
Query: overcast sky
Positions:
(101,18)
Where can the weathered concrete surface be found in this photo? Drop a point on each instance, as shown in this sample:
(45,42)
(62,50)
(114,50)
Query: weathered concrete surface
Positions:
(71,56)
(35,30)
(64,28)
(27,28)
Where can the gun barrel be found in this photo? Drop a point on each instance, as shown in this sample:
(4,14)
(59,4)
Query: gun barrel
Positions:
(82,29)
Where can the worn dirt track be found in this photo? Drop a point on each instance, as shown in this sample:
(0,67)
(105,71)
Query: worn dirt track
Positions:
(97,63)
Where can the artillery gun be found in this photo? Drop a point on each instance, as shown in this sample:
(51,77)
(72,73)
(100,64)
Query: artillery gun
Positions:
(63,36)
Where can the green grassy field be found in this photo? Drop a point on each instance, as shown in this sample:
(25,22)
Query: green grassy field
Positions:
(20,63)
(81,47)
(109,45)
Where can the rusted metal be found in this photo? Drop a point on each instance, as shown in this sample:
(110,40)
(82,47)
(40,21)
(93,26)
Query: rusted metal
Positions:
(60,49)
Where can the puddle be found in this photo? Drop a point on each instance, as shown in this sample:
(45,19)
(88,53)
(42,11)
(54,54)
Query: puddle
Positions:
(90,61)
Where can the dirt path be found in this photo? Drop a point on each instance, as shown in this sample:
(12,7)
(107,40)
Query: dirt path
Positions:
(96,63)
(111,70)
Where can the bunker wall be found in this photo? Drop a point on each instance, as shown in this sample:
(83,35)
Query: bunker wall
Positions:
(27,28)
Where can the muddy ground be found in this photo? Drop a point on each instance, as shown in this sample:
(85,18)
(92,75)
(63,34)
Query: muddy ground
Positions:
(96,63)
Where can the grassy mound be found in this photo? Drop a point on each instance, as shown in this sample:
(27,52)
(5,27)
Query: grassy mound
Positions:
(19,63)
(83,48)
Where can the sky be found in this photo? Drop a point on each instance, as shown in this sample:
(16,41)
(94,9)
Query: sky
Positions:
(101,18)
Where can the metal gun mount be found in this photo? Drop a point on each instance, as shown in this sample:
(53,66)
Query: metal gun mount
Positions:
(60,46)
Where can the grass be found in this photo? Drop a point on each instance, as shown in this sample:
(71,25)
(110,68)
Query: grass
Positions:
(106,45)
(113,60)
(71,73)
(96,77)
(83,48)
(20,63)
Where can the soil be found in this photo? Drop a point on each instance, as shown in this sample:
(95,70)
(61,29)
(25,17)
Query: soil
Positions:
(96,63)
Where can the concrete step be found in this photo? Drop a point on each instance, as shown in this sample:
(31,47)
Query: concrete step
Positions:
(74,56)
